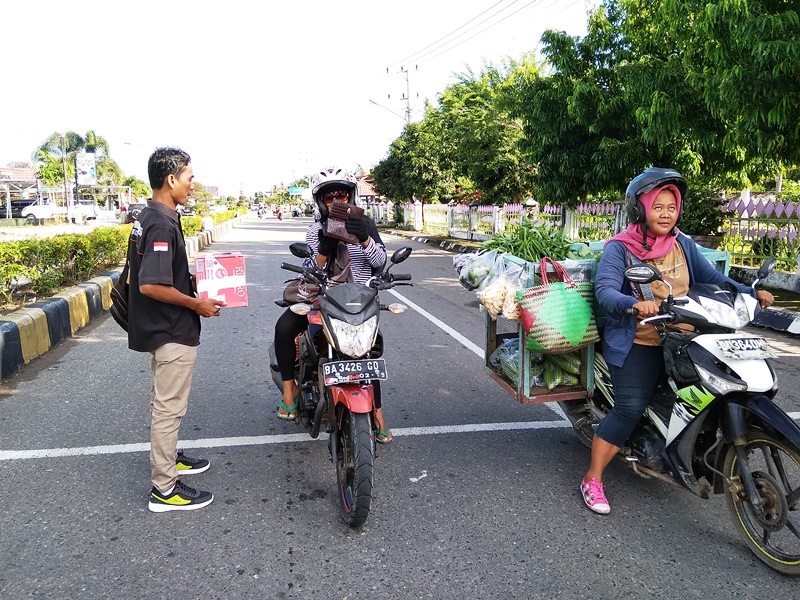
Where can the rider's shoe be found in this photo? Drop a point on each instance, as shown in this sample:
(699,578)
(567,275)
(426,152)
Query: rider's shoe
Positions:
(594,496)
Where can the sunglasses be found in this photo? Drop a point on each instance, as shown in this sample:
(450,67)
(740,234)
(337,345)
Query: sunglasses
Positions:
(337,195)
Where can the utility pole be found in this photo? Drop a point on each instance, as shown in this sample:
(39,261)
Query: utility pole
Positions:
(407,95)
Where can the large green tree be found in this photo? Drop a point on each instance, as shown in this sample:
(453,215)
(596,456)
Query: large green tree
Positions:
(742,59)
(419,163)
(483,134)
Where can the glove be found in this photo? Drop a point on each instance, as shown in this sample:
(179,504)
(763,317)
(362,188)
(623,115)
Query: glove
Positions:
(327,245)
(358,227)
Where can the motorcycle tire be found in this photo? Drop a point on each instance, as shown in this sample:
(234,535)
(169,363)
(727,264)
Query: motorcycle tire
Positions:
(774,535)
(355,466)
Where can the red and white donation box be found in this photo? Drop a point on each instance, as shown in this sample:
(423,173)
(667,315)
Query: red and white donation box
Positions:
(222,277)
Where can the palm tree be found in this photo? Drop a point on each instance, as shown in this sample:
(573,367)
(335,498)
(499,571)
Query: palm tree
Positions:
(62,148)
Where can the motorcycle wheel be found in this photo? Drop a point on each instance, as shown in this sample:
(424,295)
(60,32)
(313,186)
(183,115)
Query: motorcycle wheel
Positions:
(773,535)
(355,466)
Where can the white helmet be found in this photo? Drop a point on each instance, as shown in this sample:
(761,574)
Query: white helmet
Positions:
(333,178)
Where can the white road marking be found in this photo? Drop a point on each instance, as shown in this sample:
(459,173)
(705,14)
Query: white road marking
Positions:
(262,440)
(444,327)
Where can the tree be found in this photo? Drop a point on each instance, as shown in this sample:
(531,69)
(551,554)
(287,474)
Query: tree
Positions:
(420,162)
(484,135)
(58,148)
(138,187)
(743,60)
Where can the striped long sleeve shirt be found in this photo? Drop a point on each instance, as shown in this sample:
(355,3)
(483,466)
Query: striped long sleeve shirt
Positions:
(363,261)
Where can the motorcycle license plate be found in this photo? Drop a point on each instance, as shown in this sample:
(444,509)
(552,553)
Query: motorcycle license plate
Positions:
(349,371)
(745,348)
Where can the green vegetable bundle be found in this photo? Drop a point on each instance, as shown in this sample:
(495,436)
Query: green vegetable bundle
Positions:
(532,242)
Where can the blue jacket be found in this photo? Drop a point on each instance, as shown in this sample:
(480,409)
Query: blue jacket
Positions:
(614,293)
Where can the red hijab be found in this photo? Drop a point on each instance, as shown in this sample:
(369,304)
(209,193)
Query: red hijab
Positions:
(658,246)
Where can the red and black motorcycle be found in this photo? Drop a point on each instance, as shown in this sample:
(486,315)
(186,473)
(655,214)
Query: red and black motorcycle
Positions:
(338,368)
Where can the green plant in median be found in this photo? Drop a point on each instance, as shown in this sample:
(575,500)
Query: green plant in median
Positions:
(191,225)
(12,270)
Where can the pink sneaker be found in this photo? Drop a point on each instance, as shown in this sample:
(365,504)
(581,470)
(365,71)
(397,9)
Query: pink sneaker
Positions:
(594,496)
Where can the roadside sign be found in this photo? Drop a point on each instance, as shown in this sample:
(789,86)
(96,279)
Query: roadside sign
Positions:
(296,191)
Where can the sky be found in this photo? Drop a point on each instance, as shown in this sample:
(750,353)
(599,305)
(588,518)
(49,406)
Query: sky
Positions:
(258,93)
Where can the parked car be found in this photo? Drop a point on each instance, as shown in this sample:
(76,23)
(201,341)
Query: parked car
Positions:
(132,212)
(17,206)
(43,210)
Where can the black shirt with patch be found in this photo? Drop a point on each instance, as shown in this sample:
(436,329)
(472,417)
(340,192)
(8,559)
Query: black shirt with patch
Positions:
(157,255)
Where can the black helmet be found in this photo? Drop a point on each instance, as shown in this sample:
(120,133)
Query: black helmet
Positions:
(652,178)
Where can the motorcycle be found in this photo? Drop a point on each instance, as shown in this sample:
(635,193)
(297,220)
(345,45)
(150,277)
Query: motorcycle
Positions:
(713,426)
(338,370)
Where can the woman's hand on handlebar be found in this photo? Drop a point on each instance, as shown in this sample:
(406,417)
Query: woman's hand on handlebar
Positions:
(765,298)
(647,308)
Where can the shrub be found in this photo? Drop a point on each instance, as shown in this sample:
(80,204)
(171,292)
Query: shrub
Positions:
(109,245)
(191,225)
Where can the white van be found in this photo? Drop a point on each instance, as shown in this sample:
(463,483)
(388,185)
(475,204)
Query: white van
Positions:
(43,209)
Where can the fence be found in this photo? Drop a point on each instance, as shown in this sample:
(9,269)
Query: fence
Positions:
(481,222)
(758,227)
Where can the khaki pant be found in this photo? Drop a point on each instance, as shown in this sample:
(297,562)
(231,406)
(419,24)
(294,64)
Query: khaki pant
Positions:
(172,366)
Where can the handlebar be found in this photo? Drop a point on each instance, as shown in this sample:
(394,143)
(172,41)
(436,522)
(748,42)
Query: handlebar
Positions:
(630,311)
(401,277)
(291,267)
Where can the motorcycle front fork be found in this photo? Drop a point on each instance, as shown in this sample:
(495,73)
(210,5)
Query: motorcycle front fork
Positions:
(735,429)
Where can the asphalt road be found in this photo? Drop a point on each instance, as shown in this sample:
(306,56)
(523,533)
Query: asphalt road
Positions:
(477,497)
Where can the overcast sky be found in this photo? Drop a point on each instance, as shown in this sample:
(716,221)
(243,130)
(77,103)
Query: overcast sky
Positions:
(258,93)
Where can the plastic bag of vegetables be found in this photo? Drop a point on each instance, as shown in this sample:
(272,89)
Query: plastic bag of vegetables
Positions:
(505,360)
(498,291)
(459,260)
(476,270)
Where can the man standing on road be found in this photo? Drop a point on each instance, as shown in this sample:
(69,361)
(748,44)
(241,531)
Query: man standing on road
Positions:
(164,320)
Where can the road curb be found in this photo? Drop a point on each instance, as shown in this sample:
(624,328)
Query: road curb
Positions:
(29,332)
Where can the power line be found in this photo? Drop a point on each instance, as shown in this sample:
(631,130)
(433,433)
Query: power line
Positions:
(476,34)
(410,56)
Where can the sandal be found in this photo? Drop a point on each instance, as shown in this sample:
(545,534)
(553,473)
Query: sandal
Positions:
(291,413)
(383,437)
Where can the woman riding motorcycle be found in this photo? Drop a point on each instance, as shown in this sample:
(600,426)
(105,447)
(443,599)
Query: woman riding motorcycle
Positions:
(368,255)
(653,201)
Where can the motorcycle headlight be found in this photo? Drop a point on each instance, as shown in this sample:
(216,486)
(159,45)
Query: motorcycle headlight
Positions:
(717,384)
(354,340)
(732,317)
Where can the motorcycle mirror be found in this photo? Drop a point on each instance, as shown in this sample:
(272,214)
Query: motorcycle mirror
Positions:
(300,250)
(767,268)
(642,274)
(401,254)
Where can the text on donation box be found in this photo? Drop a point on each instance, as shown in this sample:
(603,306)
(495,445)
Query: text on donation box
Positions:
(222,277)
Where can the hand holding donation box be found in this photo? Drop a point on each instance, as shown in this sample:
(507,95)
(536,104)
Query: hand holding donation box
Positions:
(222,277)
